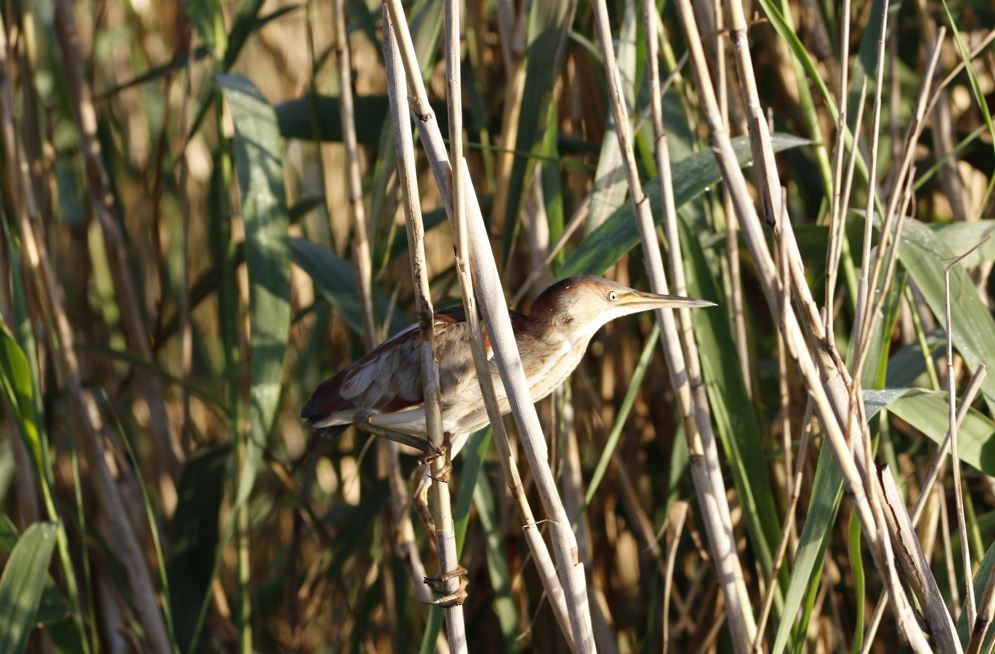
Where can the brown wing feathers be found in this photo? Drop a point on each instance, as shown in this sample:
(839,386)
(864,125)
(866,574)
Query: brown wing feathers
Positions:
(386,379)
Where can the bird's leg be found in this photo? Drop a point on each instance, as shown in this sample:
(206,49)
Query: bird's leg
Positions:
(363,422)
(419,498)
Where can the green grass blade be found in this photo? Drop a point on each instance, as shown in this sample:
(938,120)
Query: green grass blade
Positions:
(927,411)
(635,383)
(859,583)
(194,537)
(692,176)
(259,166)
(259,170)
(335,279)
(924,255)
(549,25)
(21,585)
(52,608)
(736,421)
(962,236)
(209,21)
(497,565)
(827,491)
(18,388)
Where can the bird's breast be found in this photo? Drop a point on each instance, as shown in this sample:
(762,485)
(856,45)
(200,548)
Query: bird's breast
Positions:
(551,364)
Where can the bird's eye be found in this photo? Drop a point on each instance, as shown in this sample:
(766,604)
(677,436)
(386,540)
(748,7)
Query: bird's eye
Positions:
(612,296)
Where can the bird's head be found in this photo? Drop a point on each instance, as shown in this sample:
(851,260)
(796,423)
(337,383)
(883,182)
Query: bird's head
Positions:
(582,305)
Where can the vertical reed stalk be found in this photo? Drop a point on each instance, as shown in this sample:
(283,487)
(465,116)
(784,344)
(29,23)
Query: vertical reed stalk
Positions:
(441,465)
(488,290)
(685,373)
(102,202)
(820,368)
(354,182)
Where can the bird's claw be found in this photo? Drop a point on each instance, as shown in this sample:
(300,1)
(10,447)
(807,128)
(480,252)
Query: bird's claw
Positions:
(445,473)
(439,585)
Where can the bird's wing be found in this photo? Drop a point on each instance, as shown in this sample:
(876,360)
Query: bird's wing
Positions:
(388,379)
(521,326)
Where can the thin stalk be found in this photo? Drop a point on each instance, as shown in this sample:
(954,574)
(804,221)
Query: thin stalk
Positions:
(407,548)
(101,196)
(972,611)
(566,587)
(685,372)
(786,528)
(979,630)
(863,284)
(821,370)
(837,211)
(935,473)
(354,187)
(675,525)
(918,575)
(439,496)
(87,414)
(904,172)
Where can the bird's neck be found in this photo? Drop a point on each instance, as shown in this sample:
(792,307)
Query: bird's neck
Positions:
(568,336)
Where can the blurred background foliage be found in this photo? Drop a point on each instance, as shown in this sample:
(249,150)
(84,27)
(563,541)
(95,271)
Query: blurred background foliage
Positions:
(184,184)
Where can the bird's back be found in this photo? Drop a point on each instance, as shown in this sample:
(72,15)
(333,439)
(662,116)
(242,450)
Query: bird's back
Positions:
(387,380)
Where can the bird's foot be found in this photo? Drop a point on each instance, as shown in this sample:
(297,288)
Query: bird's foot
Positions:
(445,472)
(440,586)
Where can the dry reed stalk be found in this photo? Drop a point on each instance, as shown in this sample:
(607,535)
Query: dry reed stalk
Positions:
(935,473)
(917,571)
(685,373)
(872,186)
(567,587)
(837,211)
(404,535)
(943,122)
(497,321)
(841,200)
(821,369)
(439,495)
(735,287)
(675,525)
(979,629)
(354,183)
(956,70)
(958,489)
(463,255)
(901,191)
(88,418)
(787,528)
(102,202)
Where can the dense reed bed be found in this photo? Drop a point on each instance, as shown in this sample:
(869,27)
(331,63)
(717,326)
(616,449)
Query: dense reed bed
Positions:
(208,207)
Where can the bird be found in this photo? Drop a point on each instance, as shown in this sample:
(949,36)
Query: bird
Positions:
(382,391)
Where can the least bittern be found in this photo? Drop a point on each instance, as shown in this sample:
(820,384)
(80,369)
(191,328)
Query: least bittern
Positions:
(382,391)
